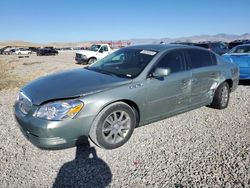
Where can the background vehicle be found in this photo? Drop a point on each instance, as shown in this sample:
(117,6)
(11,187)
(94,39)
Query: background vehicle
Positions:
(237,42)
(22,51)
(94,53)
(131,87)
(240,55)
(46,51)
(7,50)
(183,43)
(217,47)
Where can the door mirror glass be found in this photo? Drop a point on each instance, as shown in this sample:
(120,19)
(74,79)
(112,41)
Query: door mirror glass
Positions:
(161,72)
(101,50)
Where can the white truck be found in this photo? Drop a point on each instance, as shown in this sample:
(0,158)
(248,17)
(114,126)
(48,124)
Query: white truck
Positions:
(94,53)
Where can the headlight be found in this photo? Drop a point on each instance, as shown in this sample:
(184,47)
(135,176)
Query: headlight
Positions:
(59,110)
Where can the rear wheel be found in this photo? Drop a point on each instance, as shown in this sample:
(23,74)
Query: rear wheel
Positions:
(221,96)
(113,126)
(91,60)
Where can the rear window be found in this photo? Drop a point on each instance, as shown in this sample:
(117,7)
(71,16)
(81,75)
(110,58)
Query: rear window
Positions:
(200,58)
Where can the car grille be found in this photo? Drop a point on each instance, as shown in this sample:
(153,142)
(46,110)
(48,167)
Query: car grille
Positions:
(24,103)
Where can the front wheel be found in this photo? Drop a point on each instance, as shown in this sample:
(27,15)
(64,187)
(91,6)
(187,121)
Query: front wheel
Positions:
(91,60)
(221,96)
(113,126)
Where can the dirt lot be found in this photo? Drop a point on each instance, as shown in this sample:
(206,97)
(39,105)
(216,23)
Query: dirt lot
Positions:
(17,70)
(201,148)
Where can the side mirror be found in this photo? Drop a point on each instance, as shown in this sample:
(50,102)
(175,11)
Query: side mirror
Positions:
(161,72)
(101,51)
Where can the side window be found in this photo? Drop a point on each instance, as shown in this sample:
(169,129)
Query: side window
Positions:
(105,48)
(173,61)
(199,58)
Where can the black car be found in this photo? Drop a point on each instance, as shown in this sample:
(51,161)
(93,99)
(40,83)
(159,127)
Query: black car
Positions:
(237,42)
(217,47)
(46,51)
(183,43)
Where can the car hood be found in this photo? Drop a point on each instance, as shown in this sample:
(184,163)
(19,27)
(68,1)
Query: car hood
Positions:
(88,53)
(73,83)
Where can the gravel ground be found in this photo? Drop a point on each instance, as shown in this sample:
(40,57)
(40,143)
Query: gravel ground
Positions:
(201,148)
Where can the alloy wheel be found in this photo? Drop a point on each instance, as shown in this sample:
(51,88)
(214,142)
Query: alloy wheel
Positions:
(116,127)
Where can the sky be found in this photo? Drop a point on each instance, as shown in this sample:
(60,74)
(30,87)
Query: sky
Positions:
(87,20)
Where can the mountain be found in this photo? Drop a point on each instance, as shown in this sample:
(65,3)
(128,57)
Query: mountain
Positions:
(55,44)
(197,38)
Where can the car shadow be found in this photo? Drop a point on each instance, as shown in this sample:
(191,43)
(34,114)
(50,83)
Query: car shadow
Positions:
(86,170)
(244,82)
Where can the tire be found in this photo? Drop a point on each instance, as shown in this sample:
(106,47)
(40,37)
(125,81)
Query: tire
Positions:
(221,96)
(109,132)
(92,60)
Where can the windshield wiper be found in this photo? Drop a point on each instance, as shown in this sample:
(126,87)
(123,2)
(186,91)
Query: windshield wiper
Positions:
(107,72)
(101,71)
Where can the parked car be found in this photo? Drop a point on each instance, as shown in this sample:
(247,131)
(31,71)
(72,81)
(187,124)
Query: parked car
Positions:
(183,43)
(94,53)
(237,42)
(217,47)
(7,50)
(46,51)
(22,51)
(33,49)
(131,87)
(240,55)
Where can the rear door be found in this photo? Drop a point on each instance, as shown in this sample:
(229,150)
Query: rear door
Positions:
(170,94)
(205,75)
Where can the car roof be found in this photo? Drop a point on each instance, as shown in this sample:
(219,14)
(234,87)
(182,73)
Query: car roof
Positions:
(160,47)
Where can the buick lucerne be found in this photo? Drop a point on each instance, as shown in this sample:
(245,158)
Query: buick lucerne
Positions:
(131,87)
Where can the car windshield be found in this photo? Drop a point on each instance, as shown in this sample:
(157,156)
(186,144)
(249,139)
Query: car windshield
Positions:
(94,48)
(241,49)
(127,63)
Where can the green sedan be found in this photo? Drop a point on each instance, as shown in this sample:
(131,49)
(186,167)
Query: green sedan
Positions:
(131,87)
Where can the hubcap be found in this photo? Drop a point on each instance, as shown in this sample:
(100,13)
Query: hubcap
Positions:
(224,96)
(116,127)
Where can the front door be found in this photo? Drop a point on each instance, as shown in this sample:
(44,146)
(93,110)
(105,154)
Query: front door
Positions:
(103,52)
(170,94)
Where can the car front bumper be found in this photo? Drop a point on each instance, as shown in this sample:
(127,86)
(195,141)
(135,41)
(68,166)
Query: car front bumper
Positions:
(81,60)
(47,134)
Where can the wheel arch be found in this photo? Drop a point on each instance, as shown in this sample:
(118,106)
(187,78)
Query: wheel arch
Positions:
(230,83)
(92,57)
(129,102)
